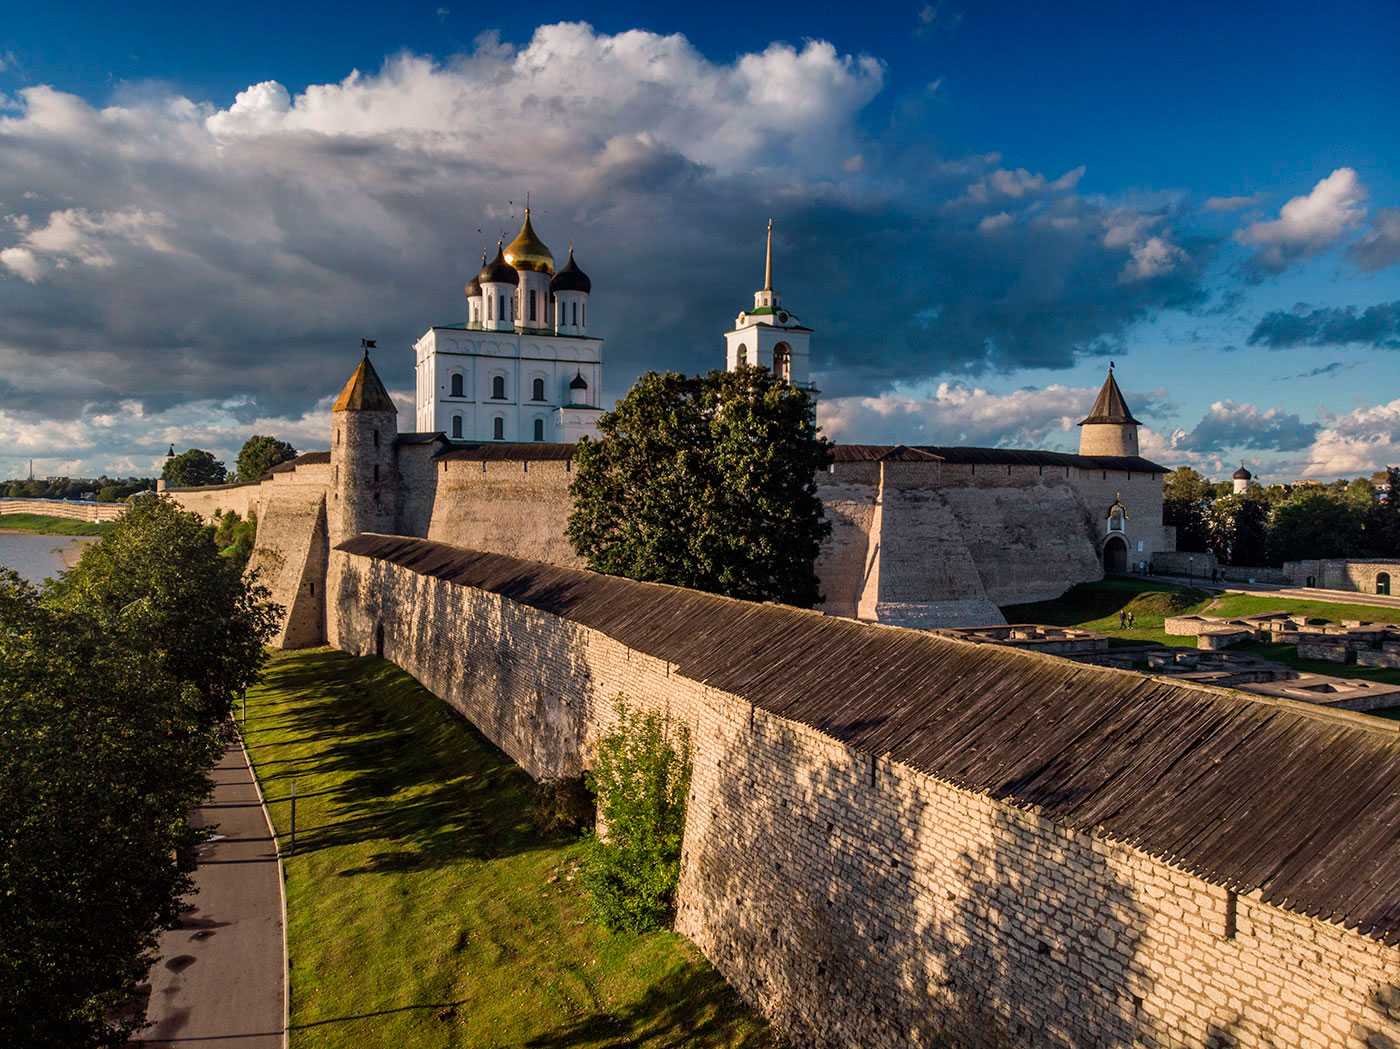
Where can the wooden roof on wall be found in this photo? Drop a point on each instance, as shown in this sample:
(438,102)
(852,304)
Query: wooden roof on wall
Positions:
(961,456)
(1246,792)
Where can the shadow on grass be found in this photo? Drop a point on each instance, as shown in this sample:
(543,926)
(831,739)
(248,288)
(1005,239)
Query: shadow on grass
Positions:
(398,767)
(690,1007)
(1089,602)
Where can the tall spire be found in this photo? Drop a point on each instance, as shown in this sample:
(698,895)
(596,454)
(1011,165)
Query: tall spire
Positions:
(768,260)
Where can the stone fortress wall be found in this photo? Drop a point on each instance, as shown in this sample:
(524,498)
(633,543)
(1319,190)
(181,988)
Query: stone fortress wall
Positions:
(914,542)
(1364,576)
(852,897)
(70,509)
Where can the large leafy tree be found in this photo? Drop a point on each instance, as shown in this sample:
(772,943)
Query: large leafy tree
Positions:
(1237,530)
(1383,519)
(707,482)
(260,454)
(114,682)
(1315,522)
(193,468)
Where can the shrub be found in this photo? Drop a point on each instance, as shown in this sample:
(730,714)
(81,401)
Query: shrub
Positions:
(641,779)
(559,806)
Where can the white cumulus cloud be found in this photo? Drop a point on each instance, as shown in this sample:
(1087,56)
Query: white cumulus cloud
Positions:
(1308,224)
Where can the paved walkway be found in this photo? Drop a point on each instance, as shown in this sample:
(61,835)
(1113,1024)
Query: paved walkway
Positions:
(220,978)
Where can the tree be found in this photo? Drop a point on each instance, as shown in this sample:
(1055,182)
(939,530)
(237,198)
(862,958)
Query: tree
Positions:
(112,696)
(641,777)
(260,454)
(1314,522)
(160,566)
(193,468)
(1237,530)
(1383,519)
(706,482)
(1186,500)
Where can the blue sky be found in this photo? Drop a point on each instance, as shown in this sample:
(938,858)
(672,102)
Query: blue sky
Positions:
(978,206)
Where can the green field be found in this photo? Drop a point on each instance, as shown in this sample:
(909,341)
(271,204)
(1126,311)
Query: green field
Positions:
(45,525)
(1095,606)
(424,909)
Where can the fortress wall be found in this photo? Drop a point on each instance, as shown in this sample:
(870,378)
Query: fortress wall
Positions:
(516,508)
(222,497)
(290,555)
(842,564)
(1018,556)
(70,509)
(1141,494)
(861,902)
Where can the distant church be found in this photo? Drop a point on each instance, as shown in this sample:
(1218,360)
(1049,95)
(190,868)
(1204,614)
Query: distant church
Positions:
(522,366)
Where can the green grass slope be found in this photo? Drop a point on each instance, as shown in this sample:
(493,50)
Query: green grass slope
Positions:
(46,525)
(424,909)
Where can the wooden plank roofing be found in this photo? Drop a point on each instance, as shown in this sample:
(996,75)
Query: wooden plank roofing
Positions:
(966,456)
(1243,791)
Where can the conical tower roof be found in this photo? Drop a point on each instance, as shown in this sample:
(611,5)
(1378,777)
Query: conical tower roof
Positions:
(364,392)
(1109,406)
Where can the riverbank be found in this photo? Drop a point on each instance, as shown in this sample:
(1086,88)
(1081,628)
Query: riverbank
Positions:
(425,909)
(43,524)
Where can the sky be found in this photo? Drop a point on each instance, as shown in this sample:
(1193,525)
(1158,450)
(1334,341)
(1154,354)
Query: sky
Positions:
(977,206)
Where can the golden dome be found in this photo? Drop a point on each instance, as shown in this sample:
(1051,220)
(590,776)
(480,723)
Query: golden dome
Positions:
(528,252)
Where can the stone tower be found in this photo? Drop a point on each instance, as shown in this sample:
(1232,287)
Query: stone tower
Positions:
(770,335)
(1109,428)
(364,482)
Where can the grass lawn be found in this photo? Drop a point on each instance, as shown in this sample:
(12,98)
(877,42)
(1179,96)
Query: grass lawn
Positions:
(424,909)
(1095,606)
(43,524)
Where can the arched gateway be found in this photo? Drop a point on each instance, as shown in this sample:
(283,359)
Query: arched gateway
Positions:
(1115,556)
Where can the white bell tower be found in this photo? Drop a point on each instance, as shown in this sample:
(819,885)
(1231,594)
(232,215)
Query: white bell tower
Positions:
(770,335)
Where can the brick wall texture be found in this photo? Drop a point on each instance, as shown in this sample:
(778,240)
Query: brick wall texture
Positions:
(858,902)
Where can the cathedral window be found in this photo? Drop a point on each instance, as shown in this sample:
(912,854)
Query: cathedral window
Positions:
(376,473)
(502,311)
(491,307)
(498,387)
(376,438)
(585,313)
(539,390)
(575,312)
(498,428)
(457,426)
(539,429)
(456,384)
(532,304)
(742,357)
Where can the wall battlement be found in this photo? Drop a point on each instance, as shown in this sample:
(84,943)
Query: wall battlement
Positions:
(1082,856)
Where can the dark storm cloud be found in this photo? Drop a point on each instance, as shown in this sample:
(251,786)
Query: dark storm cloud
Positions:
(1377,326)
(166,253)
(1380,247)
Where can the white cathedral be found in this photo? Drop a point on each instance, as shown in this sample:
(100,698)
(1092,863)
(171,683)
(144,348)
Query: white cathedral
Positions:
(523,367)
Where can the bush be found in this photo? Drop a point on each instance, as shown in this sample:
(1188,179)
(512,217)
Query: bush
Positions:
(559,806)
(641,779)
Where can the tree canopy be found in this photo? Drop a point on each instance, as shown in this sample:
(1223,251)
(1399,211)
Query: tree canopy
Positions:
(260,454)
(706,482)
(193,468)
(114,684)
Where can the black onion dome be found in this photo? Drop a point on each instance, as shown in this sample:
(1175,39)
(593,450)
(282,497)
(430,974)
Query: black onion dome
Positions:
(1242,474)
(578,382)
(474,285)
(498,270)
(571,278)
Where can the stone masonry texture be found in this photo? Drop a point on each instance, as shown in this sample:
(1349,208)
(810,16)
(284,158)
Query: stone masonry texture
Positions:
(858,902)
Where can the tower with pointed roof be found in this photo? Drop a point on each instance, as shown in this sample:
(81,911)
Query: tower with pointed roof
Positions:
(522,367)
(1109,428)
(363,494)
(770,335)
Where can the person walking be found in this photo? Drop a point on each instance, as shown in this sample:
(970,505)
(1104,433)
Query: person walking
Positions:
(1122,619)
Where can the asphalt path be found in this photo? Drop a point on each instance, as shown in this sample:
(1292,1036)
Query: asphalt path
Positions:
(220,980)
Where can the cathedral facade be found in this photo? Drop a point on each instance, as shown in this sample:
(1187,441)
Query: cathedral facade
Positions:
(521,366)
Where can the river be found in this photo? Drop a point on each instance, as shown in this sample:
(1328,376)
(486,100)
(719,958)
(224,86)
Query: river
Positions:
(37,557)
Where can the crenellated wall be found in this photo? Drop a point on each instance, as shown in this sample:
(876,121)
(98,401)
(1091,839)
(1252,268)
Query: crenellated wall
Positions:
(858,901)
